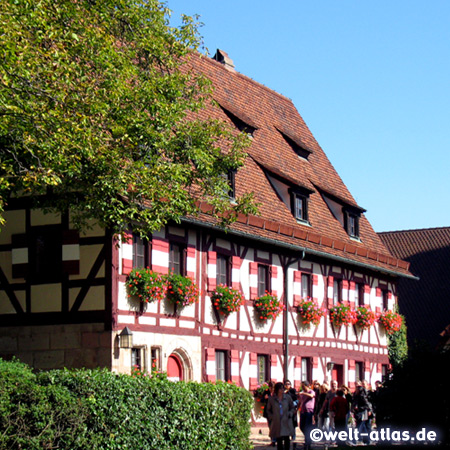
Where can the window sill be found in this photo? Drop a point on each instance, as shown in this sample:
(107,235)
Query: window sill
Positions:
(303,222)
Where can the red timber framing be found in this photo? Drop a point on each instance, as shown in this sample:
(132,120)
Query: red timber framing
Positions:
(57,290)
(72,288)
(241,336)
(88,289)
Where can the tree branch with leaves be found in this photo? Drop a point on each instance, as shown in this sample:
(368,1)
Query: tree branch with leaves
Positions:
(99,115)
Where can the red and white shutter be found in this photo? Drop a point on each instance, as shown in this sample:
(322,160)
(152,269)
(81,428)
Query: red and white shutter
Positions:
(212,270)
(71,252)
(127,253)
(210,364)
(235,367)
(330,282)
(190,262)
(236,263)
(315,287)
(351,294)
(160,255)
(274,280)
(19,255)
(345,296)
(253,280)
(297,287)
(253,370)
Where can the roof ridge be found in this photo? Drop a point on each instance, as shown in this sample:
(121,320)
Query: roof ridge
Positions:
(413,230)
(239,74)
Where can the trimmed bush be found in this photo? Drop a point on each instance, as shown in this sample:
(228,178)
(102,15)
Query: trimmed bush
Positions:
(35,416)
(102,410)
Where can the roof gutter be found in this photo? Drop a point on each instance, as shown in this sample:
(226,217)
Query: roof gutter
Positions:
(298,248)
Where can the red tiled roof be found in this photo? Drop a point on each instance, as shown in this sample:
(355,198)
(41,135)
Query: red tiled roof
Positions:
(425,303)
(269,112)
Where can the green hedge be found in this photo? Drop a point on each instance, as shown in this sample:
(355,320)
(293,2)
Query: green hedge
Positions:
(97,409)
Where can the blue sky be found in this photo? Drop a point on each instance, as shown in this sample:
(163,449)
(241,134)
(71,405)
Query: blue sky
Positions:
(370,78)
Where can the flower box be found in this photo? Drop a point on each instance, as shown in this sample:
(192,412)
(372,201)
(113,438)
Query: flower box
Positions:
(342,314)
(181,291)
(391,321)
(226,300)
(268,307)
(310,312)
(146,285)
(365,317)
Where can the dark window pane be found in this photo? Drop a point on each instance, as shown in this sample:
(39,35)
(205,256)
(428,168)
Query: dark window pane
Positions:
(176,259)
(263,279)
(136,358)
(306,285)
(46,254)
(300,208)
(385,300)
(263,364)
(359,371)
(232,184)
(223,270)
(306,369)
(221,369)
(336,292)
(138,252)
(359,295)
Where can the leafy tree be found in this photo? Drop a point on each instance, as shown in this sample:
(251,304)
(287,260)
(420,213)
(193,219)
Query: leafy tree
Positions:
(99,113)
(398,346)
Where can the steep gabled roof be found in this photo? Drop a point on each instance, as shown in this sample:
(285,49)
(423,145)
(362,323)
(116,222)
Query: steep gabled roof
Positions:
(278,130)
(426,303)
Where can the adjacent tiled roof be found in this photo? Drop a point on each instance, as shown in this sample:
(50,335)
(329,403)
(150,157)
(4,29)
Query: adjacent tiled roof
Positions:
(269,113)
(425,303)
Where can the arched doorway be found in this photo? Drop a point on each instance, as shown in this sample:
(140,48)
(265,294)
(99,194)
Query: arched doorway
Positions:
(174,368)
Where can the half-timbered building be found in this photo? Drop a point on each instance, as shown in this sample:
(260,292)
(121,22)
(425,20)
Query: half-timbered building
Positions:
(63,293)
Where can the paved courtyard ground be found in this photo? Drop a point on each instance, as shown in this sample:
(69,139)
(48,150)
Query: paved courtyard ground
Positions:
(261,440)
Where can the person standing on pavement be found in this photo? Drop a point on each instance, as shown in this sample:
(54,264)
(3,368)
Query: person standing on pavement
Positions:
(265,400)
(362,410)
(307,403)
(326,406)
(280,409)
(339,406)
(288,389)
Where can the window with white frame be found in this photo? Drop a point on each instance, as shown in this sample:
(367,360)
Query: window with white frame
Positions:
(177,258)
(139,252)
(222,365)
(223,275)
(263,279)
(306,369)
(337,292)
(359,371)
(306,285)
(137,358)
(263,366)
(359,294)
(156,358)
(385,299)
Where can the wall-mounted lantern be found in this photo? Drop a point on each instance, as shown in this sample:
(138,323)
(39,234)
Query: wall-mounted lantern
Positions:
(126,338)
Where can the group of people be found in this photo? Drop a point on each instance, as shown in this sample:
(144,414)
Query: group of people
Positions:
(317,405)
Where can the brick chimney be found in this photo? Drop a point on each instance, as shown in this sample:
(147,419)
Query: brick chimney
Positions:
(223,58)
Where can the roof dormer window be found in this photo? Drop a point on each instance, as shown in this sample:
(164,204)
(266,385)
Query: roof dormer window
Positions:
(231,177)
(241,122)
(299,204)
(351,224)
(347,214)
(296,145)
(229,186)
